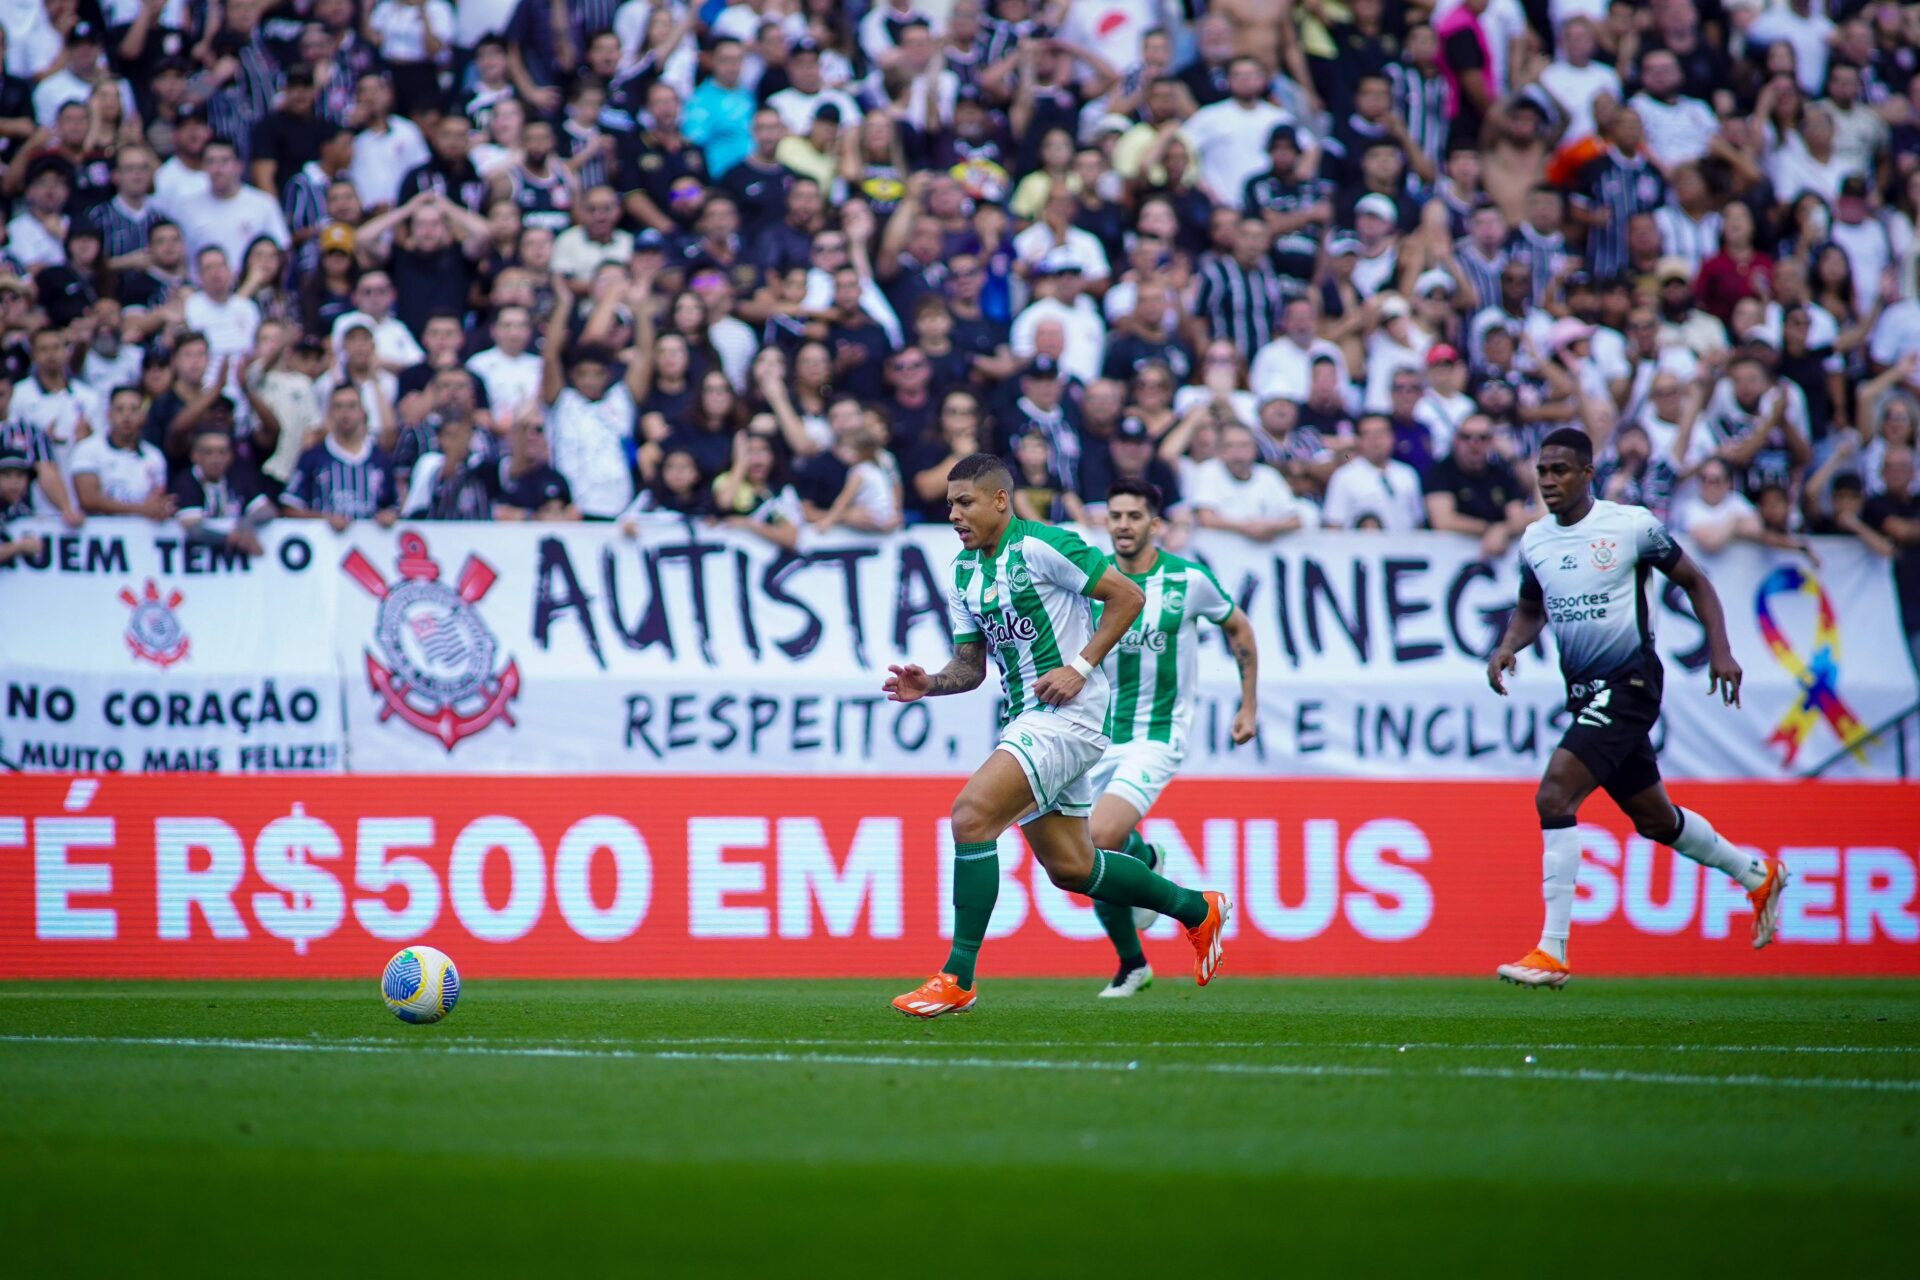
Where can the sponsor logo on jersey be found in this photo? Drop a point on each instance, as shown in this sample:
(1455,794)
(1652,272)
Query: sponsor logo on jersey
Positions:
(1000,630)
(435,669)
(1568,562)
(1152,639)
(154,633)
(1605,553)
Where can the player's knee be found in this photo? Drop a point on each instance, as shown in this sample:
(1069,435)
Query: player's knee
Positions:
(1070,873)
(1553,801)
(971,822)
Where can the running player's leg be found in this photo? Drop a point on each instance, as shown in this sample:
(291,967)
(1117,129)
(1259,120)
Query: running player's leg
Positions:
(1114,820)
(1658,818)
(993,799)
(1567,783)
(1062,844)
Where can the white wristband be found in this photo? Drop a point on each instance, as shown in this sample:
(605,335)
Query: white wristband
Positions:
(1081,665)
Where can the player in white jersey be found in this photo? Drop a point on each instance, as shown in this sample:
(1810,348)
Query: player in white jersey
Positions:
(1023,590)
(1154,671)
(1584,570)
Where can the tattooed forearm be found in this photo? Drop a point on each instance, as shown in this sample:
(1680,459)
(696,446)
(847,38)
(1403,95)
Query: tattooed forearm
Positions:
(965,672)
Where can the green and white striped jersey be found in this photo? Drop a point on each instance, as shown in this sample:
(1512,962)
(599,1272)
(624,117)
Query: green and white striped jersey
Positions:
(1028,602)
(1156,665)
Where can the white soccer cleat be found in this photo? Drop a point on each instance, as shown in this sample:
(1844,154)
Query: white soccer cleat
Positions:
(1535,969)
(1128,982)
(1766,902)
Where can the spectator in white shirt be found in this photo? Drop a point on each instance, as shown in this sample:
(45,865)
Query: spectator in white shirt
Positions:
(183,178)
(1576,81)
(75,81)
(1060,301)
(1375,484)
(118,473)
(1283,369)
(62,406)
(1678,128)
(1235,491)
(393,343)
(228,214)
(388,146)
(1055,244)
(1717,515)
(1230,137)
(1810,33)
(1806,161)
(37,236)
(508,369)
(594,238)
(230,323)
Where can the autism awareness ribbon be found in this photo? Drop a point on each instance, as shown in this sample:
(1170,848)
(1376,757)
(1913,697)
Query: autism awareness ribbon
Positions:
(1819,675)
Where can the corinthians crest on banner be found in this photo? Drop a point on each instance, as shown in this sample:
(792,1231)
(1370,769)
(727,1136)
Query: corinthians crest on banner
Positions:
(435,666)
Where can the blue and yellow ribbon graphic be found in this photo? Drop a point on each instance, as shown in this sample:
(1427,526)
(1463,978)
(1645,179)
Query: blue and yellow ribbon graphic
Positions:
(1819,676)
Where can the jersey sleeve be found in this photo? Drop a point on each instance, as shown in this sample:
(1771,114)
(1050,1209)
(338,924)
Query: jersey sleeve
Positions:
(959,617)
(1206,598)
(1067,559)
(1529,585)
(1652,543)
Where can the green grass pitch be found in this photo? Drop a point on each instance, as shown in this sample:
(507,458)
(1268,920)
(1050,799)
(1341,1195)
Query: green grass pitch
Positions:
(1258,1128)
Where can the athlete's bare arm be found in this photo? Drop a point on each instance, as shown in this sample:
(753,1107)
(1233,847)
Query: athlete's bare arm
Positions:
(1528,621)
(1239,633)
(963,673)
(1122,602)
(1723,673)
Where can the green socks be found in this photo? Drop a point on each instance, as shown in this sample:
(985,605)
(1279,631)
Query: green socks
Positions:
(1118,920)
(1126,882)
(976,883)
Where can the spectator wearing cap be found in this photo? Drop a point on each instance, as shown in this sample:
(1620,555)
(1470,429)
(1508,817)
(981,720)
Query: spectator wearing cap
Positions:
(1128,454)
(1042,406)
(1376,228)
(288,138)
(1445,403)
(16,503)
(1474,491)
(1375,484)
(1396,342)
(83,70)
(31,451)
(1236,492)
(1282,369)
(229,215)
(1297,210)
(37,235)
(1056,280)
(1864,238)
(523,484)
(806,92)
(116,472)
(1682,323)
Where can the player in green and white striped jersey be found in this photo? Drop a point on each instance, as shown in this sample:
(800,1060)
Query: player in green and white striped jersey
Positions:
(1022,590)
(1154,671)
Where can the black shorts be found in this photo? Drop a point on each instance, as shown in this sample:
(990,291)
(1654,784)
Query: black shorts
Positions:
(1612,733)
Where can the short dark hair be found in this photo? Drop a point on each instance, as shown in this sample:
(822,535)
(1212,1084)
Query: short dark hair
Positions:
(1573,439)
(1145,490)
(982,469)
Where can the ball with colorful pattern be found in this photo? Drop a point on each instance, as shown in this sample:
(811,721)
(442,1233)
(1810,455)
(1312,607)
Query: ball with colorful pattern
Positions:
(420,985)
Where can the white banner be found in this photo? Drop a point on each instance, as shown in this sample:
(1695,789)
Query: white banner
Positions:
(123,649)
(535,649)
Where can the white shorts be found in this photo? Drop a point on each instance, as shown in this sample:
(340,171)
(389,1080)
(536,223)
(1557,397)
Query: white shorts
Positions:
(1136,771)
(1058,757)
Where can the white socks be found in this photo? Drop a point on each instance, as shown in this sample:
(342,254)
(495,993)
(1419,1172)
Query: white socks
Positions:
(1699,841)
(1560,864)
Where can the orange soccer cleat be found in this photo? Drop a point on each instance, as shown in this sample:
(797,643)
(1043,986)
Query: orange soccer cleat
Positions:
(1535,969)
(942,993)
(1206,937)
(1766,902)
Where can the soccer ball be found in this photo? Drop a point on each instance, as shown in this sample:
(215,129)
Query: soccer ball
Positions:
(420,985)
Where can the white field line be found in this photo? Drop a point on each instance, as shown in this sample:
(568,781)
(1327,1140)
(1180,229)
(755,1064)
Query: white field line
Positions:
(1389,1046)
(1571,1075)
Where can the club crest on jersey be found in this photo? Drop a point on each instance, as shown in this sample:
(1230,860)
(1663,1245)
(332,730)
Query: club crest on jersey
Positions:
(1174,599)
(1606,553)
(999,631)
(154,633)
(1017,577)
(438,671)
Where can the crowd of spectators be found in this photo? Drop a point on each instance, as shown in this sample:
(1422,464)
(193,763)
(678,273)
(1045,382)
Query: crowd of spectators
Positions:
(779,263)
